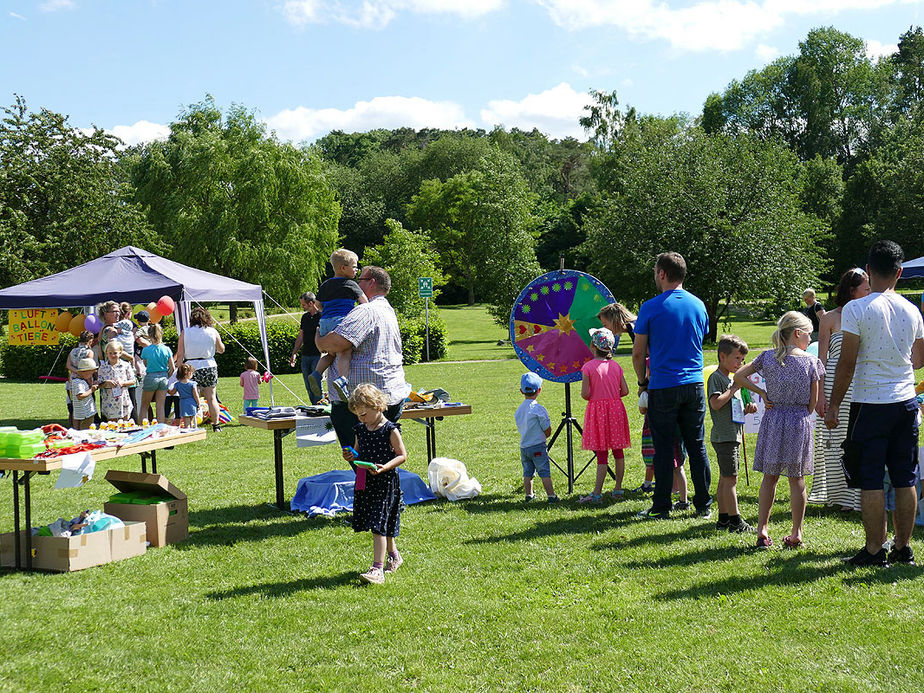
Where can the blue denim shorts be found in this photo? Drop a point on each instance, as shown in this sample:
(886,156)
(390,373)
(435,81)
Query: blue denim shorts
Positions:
(326,325)
(535,460)
(155,380)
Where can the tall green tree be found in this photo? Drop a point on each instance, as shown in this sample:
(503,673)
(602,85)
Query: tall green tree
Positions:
(230,198)
(406,255)
(482,223)
(63,198)
(729,205)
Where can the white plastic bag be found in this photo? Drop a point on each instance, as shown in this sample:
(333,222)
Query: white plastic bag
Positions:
(449,478)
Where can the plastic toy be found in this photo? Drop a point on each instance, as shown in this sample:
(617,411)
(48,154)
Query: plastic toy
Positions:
(350,448)
(266,377)
(367,465)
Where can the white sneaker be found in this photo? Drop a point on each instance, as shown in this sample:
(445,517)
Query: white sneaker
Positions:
(374,575)
(392,564)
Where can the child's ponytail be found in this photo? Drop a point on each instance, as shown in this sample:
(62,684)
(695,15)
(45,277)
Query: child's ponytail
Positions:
(785,326)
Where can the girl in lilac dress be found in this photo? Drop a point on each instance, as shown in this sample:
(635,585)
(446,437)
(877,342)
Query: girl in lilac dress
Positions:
(784,441)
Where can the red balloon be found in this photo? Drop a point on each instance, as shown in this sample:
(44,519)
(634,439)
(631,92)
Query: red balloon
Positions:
(165,306)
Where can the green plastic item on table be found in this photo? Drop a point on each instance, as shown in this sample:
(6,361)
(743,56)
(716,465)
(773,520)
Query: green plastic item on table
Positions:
(44,532)
(367,465)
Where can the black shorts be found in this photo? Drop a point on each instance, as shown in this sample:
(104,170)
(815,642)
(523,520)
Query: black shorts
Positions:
(880,436)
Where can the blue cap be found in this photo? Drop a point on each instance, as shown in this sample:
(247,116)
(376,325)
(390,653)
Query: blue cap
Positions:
(530,383)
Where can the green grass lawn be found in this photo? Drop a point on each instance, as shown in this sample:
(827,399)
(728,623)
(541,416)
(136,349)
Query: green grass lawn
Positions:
(473,334)
(493,594)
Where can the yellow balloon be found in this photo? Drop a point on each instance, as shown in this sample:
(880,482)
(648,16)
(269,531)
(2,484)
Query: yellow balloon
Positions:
(63,321)
(76,324)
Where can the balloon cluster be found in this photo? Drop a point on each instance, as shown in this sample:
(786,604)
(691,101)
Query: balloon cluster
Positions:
(75,324)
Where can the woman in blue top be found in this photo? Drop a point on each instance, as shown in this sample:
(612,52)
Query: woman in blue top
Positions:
(158,359)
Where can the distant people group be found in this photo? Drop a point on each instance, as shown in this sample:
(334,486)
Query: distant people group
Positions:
(862,451)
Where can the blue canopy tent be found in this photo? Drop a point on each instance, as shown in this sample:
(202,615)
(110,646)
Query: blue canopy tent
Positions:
(137,276)
(913,269)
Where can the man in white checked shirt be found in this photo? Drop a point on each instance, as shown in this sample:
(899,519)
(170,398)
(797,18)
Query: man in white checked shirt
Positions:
(371,331)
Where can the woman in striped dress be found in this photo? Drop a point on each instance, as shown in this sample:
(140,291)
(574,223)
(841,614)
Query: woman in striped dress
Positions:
(829,487)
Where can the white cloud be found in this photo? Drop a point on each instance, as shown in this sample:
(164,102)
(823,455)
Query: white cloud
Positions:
(554,112)
(140,132)
(876,49)
(627,82)
(376,14)
(767,54)
(300,124)
(17,16)
(704,25)
(55,5)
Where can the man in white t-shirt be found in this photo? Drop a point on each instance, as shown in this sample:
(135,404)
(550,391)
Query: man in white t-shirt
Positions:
(883,343)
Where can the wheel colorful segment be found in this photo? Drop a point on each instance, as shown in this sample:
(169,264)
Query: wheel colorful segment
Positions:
(550,323)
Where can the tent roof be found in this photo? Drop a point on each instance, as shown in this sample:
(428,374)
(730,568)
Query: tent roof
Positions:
(913,268)
(127,274)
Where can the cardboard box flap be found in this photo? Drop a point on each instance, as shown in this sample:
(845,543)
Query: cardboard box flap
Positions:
(149,483)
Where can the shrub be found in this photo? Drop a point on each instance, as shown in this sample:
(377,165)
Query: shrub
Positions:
(28,363)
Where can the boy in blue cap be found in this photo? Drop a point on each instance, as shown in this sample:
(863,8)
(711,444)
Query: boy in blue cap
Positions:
(535,426)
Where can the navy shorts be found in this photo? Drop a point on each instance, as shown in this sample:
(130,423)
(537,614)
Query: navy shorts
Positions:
(535,460)
(881,436)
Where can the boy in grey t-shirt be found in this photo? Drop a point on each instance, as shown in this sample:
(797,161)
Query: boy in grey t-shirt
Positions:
(727,411)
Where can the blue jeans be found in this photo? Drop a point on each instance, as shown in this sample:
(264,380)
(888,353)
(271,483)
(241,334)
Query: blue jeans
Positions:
(309,363)
(672,409)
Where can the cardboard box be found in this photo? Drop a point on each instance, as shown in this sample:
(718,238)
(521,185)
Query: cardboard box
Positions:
(128,541)
(60,554)
(167,522)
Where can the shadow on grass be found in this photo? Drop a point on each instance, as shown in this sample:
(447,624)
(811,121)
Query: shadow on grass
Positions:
(243,523)
(782,568)
(284,589)
(576,524)
(29,424)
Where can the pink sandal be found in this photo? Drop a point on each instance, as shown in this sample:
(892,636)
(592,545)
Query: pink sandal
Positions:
(791,543)
(764,542)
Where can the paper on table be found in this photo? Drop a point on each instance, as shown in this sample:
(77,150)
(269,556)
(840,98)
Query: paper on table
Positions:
(76,470)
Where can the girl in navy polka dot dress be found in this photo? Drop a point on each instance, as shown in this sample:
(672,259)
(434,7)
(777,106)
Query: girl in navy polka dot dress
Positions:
(377,500)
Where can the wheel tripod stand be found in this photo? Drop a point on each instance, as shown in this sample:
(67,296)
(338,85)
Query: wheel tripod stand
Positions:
(568,423)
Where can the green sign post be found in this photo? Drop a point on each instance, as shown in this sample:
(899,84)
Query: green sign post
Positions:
(425,291)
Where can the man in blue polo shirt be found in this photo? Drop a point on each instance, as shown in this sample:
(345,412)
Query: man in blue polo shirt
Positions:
(670,331)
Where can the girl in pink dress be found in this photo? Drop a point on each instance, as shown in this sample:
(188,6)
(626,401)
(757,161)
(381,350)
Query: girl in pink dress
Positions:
(606,424)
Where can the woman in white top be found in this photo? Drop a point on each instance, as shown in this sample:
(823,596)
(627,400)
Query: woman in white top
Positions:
(829,486)
(197,346)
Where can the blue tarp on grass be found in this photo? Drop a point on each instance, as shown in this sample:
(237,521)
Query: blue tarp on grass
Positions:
(332,492)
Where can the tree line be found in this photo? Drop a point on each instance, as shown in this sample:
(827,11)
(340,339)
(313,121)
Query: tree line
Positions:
(782,181)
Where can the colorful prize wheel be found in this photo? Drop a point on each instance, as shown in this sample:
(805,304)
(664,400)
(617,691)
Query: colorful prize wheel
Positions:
(550,323)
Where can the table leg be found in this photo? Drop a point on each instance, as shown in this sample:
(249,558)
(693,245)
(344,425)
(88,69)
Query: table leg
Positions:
(28,500)
(431,439)
(144,463)
(153,461)
(277,459)
(17,561)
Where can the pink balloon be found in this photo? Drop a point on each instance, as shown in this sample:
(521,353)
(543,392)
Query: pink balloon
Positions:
(165,306)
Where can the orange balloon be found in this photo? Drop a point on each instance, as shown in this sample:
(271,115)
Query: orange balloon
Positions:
(155,316)
(75,327)
(151,306)
(63,321)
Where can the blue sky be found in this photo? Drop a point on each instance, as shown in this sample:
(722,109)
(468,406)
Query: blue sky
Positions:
(310,66)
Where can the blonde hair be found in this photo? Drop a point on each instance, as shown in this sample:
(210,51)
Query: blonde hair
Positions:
(107,307)
(368,396)
(618,315)
(343,257)
(155,333)
(785,326)
(114,346)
